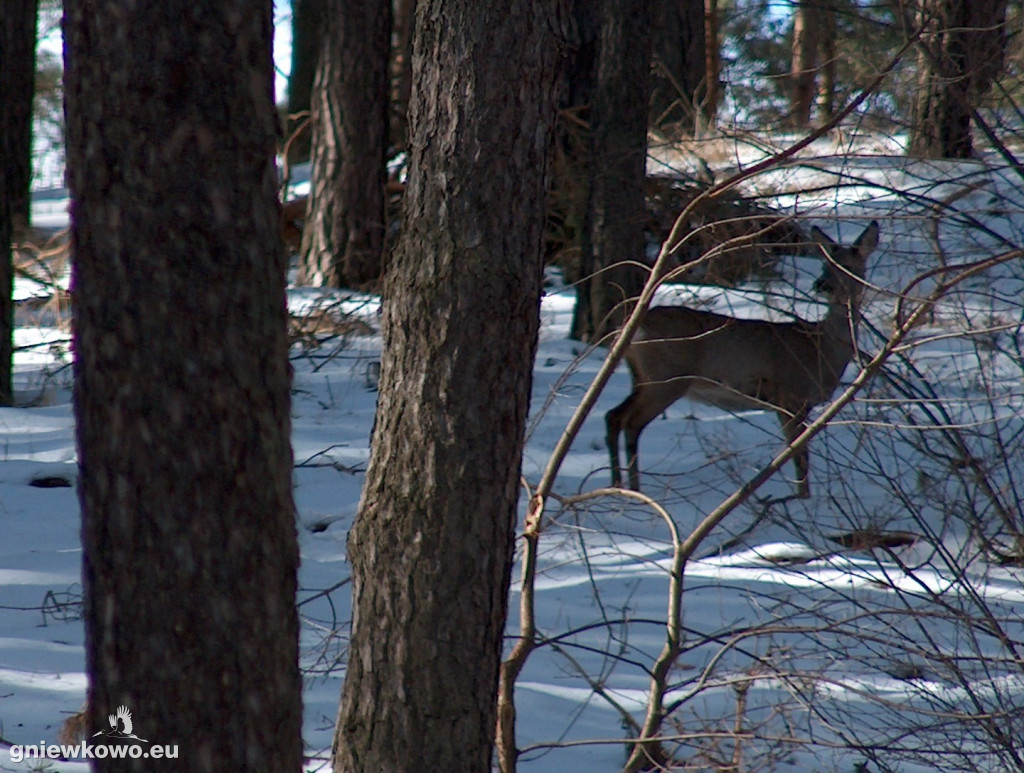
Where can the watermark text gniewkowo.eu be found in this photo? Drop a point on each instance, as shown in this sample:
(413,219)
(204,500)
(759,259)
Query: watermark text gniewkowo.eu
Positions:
(117,743)
(85,750)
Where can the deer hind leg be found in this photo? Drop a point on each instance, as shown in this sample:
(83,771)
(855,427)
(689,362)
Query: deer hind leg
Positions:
(793,424)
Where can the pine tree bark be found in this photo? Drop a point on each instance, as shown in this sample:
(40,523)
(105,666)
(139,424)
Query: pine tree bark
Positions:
(343,236)
(182,381)
(618,163)
(960,56)
(431,549)
(17,82)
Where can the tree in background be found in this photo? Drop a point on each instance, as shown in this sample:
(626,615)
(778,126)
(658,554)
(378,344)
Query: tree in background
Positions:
(182,381)
(960,55)
(807,29)
(828,49)
(679,92)
(431,548)
(566,235)
(17,85)
(611,264)
(17,71)
(812,74)
(401,72)
(343,237)
(849,42)
(712,62)
(308,19)
(6,288)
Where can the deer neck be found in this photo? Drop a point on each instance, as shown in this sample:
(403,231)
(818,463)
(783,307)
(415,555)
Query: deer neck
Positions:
(838,330)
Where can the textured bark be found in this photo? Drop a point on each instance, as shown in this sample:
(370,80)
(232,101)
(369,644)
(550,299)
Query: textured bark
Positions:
(17,71)
(679,89)
(182,381)
(307,35)
(616,211)
(431,549)
(959,57)
(343,237)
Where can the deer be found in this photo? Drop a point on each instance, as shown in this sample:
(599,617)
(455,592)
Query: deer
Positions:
(739,364)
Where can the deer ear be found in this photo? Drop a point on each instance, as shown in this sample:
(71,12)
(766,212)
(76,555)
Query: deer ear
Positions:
(868,240)
(820,237)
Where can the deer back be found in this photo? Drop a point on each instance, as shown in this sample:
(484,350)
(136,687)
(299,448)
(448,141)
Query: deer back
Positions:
(736,363)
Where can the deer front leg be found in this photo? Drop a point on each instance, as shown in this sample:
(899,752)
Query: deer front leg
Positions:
(632,459)
(637,411)
(623,418)
(613,428)
(792,426)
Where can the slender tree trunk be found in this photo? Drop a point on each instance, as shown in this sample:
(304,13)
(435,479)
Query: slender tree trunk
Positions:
(679,89)
(617,211)
(401,72)
(343,236)
(182,382)
(804,68)
(829,63)
(959,58)
(570,195)
(308,18)
(712,65)
(431,549)
(17,83)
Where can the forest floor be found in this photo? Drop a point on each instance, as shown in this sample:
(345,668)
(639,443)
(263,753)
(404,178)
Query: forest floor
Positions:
(877,623)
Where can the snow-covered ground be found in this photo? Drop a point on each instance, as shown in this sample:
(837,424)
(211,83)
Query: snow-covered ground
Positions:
(815,647)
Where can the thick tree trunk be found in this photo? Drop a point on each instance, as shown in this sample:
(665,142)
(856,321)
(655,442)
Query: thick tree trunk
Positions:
(431,549)
(308,19)
(617,211)
(960,56)
(17,78)
(182,381)
(343,237)
(679,89)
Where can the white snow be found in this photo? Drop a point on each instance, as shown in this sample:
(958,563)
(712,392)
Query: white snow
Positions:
(822,635)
